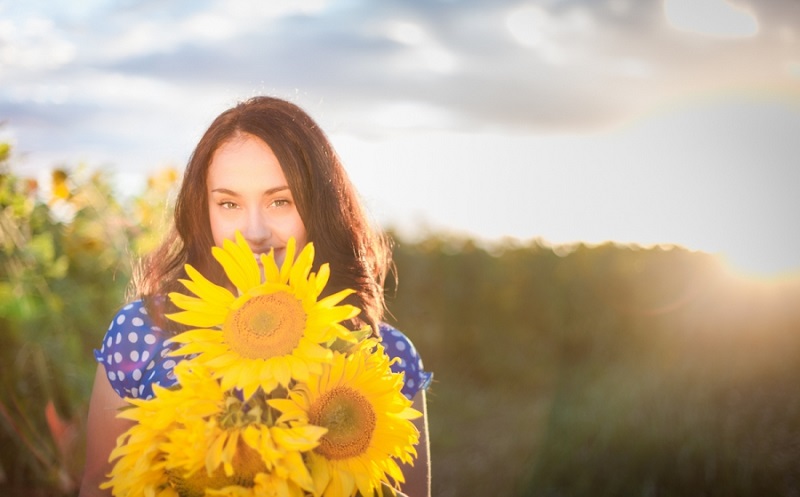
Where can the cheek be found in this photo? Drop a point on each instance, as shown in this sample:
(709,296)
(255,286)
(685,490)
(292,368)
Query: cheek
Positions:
(219,229)
(299,231)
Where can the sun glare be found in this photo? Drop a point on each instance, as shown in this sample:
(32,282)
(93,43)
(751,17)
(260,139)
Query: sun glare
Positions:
(710,17)
(751,270)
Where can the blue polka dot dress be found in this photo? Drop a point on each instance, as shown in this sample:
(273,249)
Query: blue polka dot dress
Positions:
(135,355)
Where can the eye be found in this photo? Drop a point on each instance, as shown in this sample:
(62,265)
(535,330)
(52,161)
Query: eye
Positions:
(227,204)
(281,202)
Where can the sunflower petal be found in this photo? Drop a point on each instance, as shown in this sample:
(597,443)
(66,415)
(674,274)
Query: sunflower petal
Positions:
(194,318)
(298,471)
(334,299)
(323,275)
(204,288)
(233,268)
(272,273)
(288,260)
(302,266)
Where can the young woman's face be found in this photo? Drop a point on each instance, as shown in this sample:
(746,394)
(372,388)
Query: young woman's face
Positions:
(247,191)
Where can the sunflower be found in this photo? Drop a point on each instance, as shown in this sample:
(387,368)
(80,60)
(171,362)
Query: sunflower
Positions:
(275,331)
(198,437)
(368,421)
(140,466)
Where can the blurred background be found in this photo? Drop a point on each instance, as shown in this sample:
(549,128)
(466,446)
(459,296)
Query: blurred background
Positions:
(593,202)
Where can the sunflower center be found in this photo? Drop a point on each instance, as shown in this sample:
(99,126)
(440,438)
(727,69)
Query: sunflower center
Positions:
(246,464)
(266,326)
(350,419)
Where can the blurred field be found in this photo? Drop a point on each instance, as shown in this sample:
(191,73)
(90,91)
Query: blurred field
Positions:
(608,370)
(566,371)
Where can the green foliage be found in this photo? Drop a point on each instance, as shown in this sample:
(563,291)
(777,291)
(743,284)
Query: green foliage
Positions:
(64,265)
(606,370)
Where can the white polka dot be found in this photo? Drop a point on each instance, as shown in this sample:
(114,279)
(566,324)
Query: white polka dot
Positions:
(400,346)
(164,352)
(117,357)
(121,375)
(143,310)
(169,364)
(134,355)
(149,339)
(137,321)
(397,333)
(111,325)
(119,392)
(108,359)
(150,366)
(137,374)
(145,356)
(167,342)
(119,338)
(109,342)
(134,393)
(120,318)
(156,329)
(112,376)
(141,389)
(171,375)
(133,337)
(411,383)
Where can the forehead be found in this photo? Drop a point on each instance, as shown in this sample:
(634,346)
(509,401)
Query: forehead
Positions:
(244,161)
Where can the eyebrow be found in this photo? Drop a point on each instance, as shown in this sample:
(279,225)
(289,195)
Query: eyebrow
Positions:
(271,191)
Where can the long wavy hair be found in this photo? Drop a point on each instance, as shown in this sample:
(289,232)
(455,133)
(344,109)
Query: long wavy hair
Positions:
(359,253)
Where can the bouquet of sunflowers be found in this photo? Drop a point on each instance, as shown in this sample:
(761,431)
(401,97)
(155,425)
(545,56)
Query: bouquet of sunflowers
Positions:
(275,398)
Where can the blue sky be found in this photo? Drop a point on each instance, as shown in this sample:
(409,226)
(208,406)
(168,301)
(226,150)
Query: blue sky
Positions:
(637,121)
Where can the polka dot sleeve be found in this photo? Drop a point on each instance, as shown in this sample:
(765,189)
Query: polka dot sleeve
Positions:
(134,353)
(410,363)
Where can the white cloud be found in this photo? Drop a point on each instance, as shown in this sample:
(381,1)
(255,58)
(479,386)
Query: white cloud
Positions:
(553,36)
(421,48)
(710,17)
(133,34)
(406,32)
(34,44)
(393,117)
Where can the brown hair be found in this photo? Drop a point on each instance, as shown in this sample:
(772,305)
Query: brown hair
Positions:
(359,255)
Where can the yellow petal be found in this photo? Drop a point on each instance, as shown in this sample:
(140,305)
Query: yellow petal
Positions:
(282,371)
(214,454)
(302,266)
(193,318)
(288,260)
(229,451)
(332,300)
(321,475)
(323,275)
(198,335)
(204,288)
(233,270)
(298,471)
(271,272)
(300,438)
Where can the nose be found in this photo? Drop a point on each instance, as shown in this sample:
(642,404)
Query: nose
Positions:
(257,230)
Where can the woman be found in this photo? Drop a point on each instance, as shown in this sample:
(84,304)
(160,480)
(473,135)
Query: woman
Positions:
(266,169)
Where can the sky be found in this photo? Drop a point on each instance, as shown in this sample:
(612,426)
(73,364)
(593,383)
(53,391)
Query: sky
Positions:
(633,121)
